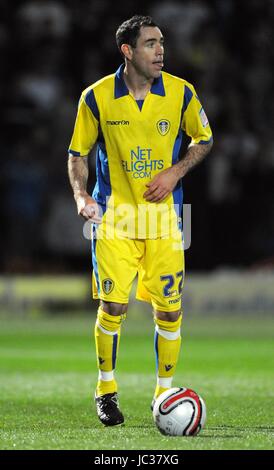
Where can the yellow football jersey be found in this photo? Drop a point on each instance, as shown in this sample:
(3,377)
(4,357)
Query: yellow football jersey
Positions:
(134,143)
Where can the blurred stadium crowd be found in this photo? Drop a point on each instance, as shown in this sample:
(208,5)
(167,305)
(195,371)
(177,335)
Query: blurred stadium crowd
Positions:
(52,49)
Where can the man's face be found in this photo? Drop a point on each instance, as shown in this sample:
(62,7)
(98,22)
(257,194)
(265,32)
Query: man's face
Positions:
(148,55)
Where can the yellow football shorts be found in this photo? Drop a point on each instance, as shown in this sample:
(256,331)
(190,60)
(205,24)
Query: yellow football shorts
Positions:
(159,264)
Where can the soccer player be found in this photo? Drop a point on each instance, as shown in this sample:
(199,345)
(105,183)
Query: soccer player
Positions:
(137,116)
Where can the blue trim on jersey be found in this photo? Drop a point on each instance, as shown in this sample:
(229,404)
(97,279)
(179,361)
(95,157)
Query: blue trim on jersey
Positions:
(94,258)
(120,88)
(158,87)
(114,350)
(74,153)
(91,102)
(156,336)
(102,188)
(178,190)
(187,98)
(204,142)
(140,104)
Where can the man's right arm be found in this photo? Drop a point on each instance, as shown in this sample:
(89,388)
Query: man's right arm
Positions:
(78,177)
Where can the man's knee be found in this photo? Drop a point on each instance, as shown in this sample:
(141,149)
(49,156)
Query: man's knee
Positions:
(113,308)
(167,316)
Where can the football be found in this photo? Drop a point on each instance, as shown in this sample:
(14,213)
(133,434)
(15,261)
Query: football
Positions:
(179,412)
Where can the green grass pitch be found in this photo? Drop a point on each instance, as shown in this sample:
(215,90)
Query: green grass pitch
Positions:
(48,375)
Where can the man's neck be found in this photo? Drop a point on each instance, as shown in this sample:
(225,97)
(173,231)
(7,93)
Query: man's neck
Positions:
(137,84)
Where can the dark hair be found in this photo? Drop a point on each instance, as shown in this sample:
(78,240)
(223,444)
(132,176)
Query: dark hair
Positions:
(129,31)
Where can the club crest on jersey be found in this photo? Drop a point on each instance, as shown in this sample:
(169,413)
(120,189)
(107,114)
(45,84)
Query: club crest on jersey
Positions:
(163,126)
(107,285)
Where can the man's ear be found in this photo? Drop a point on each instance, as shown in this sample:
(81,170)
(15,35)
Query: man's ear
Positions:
(127,51)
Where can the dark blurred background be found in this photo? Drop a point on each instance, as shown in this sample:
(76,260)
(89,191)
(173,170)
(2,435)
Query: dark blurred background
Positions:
(52,50)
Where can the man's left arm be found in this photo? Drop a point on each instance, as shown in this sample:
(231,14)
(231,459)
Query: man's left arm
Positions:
(194,155)
(195,125)
(164,183)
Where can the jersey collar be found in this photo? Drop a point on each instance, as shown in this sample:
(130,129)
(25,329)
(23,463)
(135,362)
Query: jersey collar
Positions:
(120,88)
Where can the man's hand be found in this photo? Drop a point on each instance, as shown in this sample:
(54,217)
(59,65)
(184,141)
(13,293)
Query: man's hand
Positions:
(161,185)
(87,207)
(78,175)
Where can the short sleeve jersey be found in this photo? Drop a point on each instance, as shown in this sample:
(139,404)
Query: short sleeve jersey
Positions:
(134,144)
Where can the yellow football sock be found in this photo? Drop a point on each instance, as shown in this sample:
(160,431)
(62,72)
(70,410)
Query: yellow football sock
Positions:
(167,349)
(107,339)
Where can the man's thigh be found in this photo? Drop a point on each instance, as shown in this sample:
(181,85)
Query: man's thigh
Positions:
(115,265)
(162,272)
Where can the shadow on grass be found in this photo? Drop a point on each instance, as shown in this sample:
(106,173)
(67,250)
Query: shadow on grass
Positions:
(225,431)
(225,427)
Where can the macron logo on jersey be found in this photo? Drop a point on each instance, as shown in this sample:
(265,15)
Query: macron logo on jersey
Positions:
(118,123)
